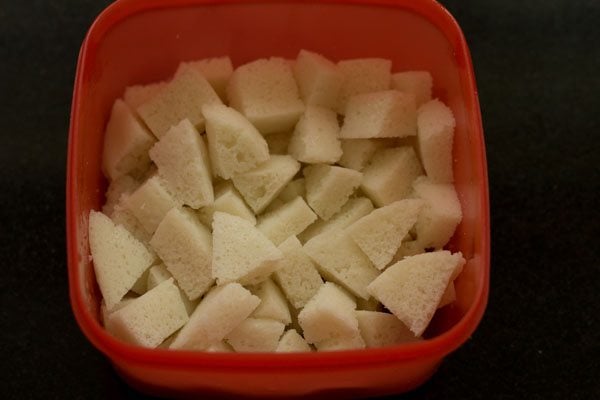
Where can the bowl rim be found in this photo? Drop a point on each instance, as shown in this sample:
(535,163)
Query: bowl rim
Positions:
(436,347)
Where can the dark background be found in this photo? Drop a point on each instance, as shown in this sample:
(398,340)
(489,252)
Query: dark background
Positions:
(537,66)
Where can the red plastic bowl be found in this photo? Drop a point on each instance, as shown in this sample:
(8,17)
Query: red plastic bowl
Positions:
(140,41)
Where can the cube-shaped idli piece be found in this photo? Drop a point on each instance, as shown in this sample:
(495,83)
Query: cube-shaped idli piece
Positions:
(390,175)
(298,276)
(353,342)
(278,142)
(371,304)
(356,153)
(137,95)
(449,296)
(217,72)
(419,83)
(123,185)
(379,329)
(354,209)
(436,136)
(328,187)
(256,335)
(119,258)
(319,79)
(227,200)
(182,160)
(292,342)
(219,312)
(296,188)
(362,75)
(262,184)
(288,220)
(441,213)
(158,274)
(149,319)
(412,288)
(151,202)
(184,245)
(329,314)
(340,260)
(380,233)
(220,347)
(315,139)
(234,144)
(126,143)
(272,303)
(241,252)
(265,92)
(388,113)
(182,98)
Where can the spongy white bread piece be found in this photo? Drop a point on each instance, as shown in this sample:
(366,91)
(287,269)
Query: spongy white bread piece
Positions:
(272,303)
(149,319)
(390,175)
(122,216)
(137,95)
(184,245)
(182,98)
(298,276)
(354,209)
(150,202)
(328,187)
(318,79)
(292,342)
(362,75)
(379,329)
(159,273)
(126,143)
(441,213)
(288,220)
(241,252)
(262,184)
(217,72)
(295,188)
(340,260)
(328,314)
(265,92)
(256,335)
(235,145)
(356,153)
(388,113)
(105,314)
(449,296)
(219,312)
(220,347)
(182,160)
(315,138)
(436,135)
(119,258)
(123,185)
(412,288)
(371,304)
(408,248)
(380,233)
(419,83)
(227,200)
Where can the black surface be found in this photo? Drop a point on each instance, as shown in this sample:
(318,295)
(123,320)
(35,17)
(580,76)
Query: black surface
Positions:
(537,65)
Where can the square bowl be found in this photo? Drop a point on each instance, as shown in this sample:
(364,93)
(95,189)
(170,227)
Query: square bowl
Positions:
(141,41)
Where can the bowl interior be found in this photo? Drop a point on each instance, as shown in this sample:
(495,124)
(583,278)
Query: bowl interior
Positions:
(128,46)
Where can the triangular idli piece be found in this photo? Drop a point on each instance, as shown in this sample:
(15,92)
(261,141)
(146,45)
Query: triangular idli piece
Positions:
(234,144)
(262,184)
(119,258)
(412,288)
(380,233)
(273,304)
(241,252)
